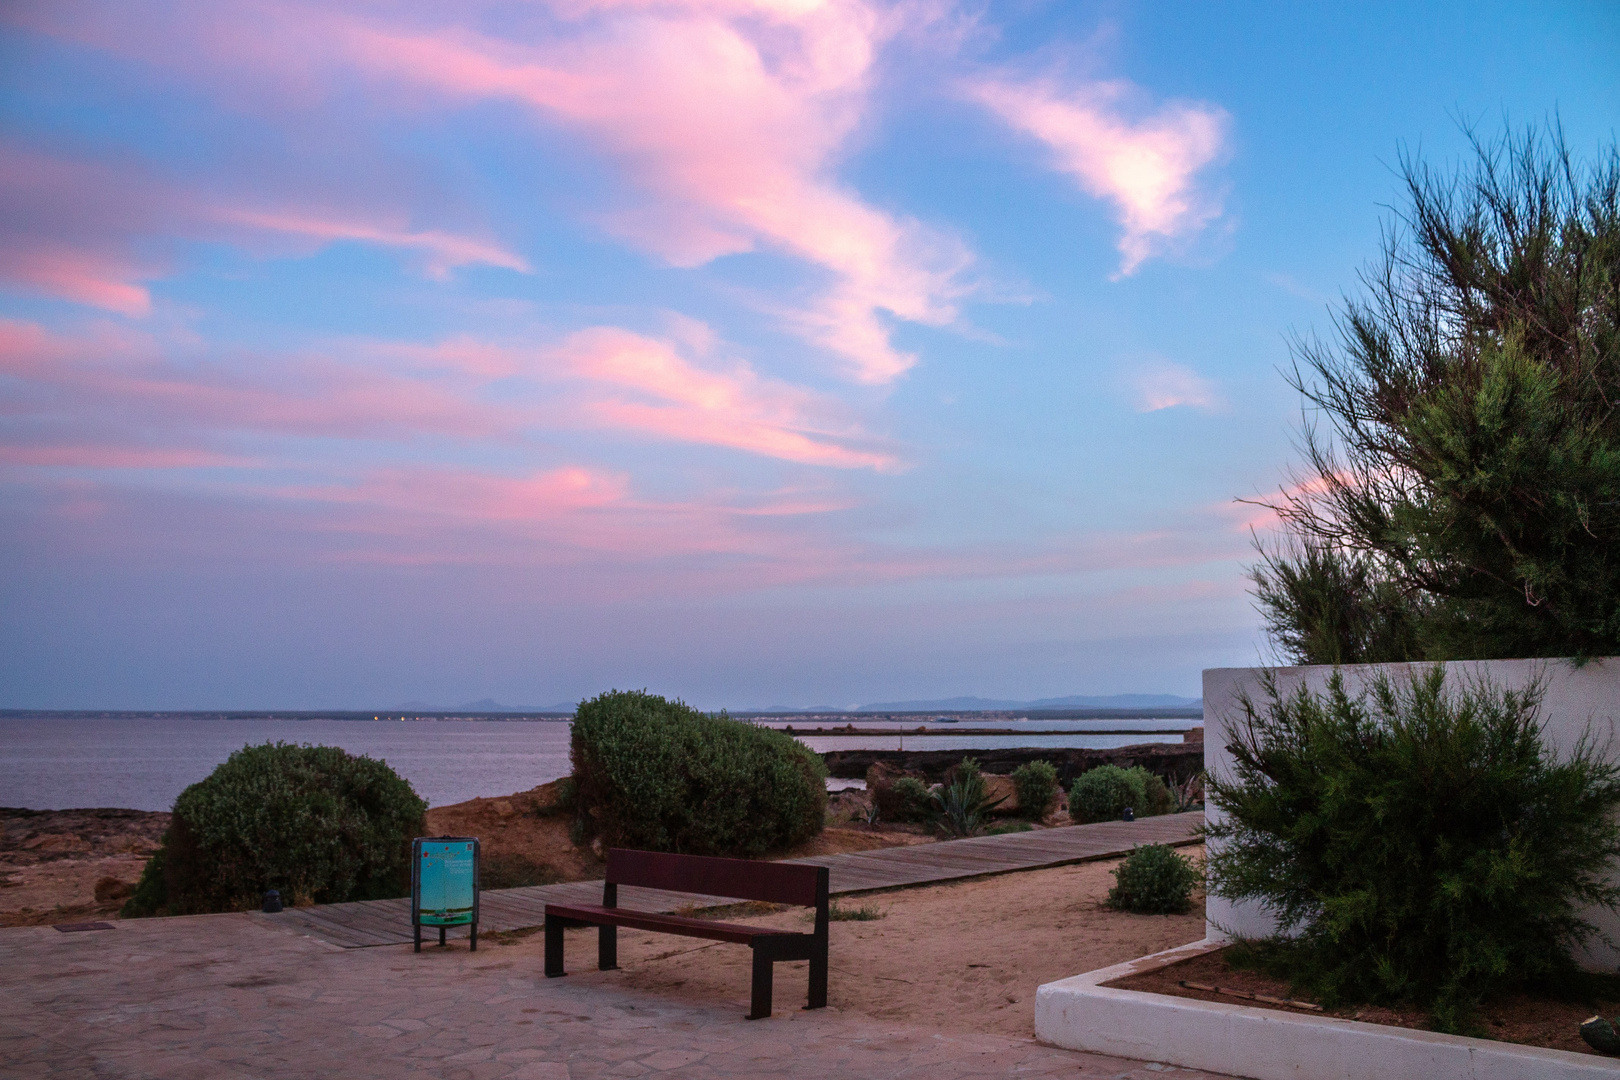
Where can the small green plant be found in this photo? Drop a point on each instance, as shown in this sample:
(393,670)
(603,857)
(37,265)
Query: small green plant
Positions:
(657,774)
(1037,787)
(961,805)
(909,800)
(864,913)
(1418,845)
(1103,793)
(1153,880)
(314,822)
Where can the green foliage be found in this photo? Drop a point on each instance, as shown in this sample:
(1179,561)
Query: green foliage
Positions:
(1466,503)
(906,800)
(656,774)
(317,823)
(1417,844)
(961,804)
(1153,880)
(1037,786)
(1103,793)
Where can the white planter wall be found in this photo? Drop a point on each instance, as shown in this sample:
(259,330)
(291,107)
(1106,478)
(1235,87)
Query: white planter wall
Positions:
(1576,700)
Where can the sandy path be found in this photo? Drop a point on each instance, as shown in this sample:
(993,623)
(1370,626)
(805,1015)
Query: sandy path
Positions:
(964,956)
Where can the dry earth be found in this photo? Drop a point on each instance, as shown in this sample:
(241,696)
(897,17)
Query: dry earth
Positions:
(965,956)
(64,865)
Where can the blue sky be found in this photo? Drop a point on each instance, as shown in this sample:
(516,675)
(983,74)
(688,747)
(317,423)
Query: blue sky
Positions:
(753,352)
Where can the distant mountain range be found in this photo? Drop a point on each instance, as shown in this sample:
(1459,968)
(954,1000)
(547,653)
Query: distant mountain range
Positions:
(1073,701)
(486,705)
(955,704)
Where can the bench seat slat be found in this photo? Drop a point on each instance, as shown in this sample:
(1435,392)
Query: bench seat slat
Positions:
(673,924)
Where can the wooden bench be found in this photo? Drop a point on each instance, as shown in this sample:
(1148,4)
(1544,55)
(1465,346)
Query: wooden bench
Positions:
(742,879)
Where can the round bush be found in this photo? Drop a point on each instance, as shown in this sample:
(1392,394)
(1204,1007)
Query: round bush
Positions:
(1103,793)
(1037,787)
(317,823)
(657,774)
(1153,880)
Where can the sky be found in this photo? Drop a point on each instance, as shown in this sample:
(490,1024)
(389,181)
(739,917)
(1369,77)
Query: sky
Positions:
(750,351)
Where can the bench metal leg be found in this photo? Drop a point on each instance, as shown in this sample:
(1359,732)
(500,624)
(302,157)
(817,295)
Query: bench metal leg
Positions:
(474,937)
(418,928)
(441,936)
(762,985)
(607,948)
(554,948)
(818,979)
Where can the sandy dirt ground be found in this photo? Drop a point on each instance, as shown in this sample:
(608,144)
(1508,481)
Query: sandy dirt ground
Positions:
(964,956)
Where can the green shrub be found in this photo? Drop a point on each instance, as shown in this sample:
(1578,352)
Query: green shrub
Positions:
(1157,798)
(1418,845)
(1153,880)
(1103,793)
(656,774)
(907,799)
(317,823)
(1037,788)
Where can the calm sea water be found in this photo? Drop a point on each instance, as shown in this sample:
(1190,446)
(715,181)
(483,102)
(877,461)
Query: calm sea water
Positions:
(55,763)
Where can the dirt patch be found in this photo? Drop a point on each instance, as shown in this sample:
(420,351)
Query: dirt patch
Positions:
(1517,1018)
(963,956)
(70,865)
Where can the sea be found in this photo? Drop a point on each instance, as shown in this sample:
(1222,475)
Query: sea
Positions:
(144,762)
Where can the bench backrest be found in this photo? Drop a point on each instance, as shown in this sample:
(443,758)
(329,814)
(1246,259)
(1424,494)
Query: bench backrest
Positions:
(742,879)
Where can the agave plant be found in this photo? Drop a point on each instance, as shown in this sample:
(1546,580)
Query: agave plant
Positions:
(1188,794)
(961,806)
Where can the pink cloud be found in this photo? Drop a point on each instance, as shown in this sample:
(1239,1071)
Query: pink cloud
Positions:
(1165,385)
(444,251)
(675,399)
(731,116)
(89,456)
(1147,168)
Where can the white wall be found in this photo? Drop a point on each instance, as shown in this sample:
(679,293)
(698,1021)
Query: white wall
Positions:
(1576,700)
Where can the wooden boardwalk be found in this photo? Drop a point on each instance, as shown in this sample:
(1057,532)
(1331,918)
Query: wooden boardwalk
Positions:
(388,922)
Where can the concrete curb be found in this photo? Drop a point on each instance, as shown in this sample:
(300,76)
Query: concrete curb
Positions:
(1079,1013)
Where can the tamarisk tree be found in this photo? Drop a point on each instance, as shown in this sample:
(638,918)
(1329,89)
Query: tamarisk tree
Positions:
(1461,491)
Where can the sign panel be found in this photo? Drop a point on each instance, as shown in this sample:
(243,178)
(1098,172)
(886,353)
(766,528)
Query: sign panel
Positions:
(444,876)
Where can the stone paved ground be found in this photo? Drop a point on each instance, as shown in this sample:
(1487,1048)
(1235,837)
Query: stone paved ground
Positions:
(223,997)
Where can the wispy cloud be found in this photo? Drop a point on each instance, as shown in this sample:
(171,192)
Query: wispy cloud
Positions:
(1146,167)
(663,394)
(1164,385)
(730,118)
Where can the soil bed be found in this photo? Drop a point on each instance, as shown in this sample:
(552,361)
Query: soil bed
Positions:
(1516,1018)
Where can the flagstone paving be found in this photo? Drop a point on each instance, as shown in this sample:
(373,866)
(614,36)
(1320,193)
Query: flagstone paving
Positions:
(228,997)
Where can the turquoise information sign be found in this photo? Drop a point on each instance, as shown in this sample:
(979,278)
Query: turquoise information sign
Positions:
(444,884)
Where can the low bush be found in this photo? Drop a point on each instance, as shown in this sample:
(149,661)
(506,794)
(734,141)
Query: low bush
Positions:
(656,774)
(905,799)
(317,823)
(1153,880)
(1418,844)
(1103,793)
(1037,787)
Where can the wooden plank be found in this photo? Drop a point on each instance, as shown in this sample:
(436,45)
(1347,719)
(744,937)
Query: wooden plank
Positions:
(387,922)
